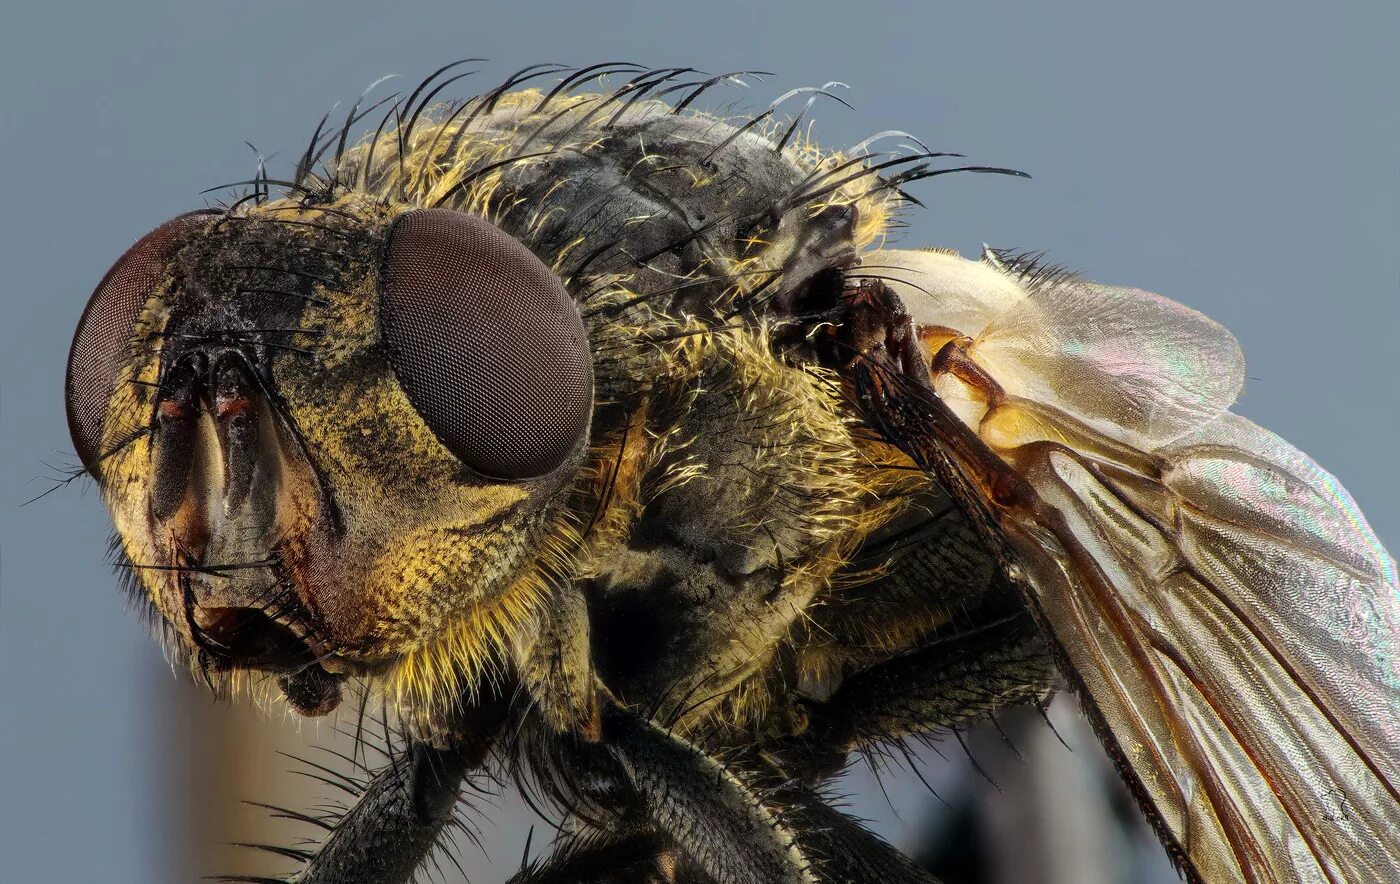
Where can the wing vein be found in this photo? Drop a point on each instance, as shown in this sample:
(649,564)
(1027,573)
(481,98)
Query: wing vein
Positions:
(1127,626)
(1286,799)
(1238,613)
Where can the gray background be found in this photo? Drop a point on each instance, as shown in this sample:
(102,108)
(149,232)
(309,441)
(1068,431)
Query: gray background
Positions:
(1239,157)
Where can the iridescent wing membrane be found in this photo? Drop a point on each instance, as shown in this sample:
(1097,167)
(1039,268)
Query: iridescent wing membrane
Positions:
(1230,619)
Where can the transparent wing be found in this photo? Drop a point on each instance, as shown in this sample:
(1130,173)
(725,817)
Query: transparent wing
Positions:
(1235,626)
(1130,364)
(1232,621)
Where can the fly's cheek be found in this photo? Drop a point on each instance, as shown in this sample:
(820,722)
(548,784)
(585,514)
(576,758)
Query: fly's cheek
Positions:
(102,342)
(486,343)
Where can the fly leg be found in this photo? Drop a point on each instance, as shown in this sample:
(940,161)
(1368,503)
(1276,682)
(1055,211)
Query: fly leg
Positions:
(401,812)
(660,807)
(715,820)
(640,783)
(696,821)
(638,857)
(843,851)
(952,681)
(397,821)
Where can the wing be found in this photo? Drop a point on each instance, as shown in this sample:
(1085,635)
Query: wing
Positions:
(1231,620)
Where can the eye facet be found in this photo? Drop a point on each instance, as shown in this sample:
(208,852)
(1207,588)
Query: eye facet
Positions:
(486,342)
(105,329)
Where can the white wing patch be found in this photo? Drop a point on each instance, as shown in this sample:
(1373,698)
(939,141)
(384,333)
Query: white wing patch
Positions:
(1126,362)
(943,289)
(1230,615)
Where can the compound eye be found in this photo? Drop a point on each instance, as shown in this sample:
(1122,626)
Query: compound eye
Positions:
(486,343)
(100,345)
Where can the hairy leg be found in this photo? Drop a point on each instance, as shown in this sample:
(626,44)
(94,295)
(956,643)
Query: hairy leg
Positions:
(636,857)
(400,812)
(840,851)
(703,807)
(397,821)
(951,682)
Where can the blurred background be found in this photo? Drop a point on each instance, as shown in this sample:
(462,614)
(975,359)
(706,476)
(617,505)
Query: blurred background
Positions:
(1241,158)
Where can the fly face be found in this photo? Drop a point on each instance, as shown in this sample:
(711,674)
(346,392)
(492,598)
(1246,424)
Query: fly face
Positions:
(325,433)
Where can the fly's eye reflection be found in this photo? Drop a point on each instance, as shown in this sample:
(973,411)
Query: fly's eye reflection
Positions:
(486,343)
(104,331)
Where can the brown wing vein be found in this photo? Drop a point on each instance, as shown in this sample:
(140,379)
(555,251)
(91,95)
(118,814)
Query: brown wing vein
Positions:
(1316,699)
(920,424)
(1286,798)
(1121,619)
